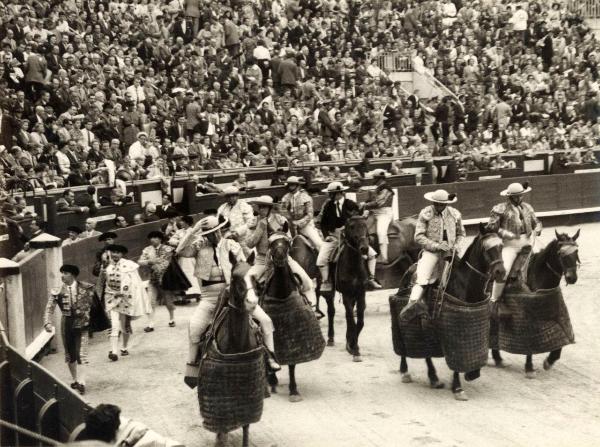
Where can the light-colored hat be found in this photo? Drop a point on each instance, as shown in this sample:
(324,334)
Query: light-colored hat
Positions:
(210,224)
(441,196)
(231,191)
(177,90)
(516,189)
(142,134)
(335,187)
(294,180)
(262,200)
(380,173)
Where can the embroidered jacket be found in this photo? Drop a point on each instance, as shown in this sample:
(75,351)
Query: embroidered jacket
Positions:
(76,306)
(505,218)
(383,198)
(180,241)
(259,238)
(206,259)
(124,288)
(241,217)
(429,231)
(299,206)
(158,259)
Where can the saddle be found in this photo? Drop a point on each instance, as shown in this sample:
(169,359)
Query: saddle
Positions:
(517,277)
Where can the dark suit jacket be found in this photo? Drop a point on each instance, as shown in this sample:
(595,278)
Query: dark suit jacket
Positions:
(329,218)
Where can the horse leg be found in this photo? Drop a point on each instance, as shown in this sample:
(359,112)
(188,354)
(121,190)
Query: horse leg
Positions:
(245,436)
(221,440)
(351,337)
(529,371)
(552,357)
(404,374)
(434,381)
(318,310)
(273,381)
(294,394)
(498,360)
(330,317)
(459,393)
(360,320)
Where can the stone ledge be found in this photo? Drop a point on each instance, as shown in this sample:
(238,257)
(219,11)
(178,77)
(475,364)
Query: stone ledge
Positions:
(45,240)
(9,268)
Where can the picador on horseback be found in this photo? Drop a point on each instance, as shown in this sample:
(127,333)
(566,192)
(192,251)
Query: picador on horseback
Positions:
(271,224)
(439,232)
(515,222)
(333,216)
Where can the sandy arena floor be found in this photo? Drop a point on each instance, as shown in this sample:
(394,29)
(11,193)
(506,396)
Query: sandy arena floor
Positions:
(365,404)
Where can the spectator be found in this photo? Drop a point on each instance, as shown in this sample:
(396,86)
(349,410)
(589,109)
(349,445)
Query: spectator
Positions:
(120,222)
(67,203)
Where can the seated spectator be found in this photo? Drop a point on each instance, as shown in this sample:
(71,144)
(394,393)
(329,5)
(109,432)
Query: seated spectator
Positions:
(589,157)
(73,235)
(137,219)
(150,213)
(498,163)
(67,203)
(120,222)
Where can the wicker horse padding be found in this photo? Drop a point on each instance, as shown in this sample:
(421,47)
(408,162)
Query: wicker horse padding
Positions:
(464,331)
(231,389)
(539,322)
(412,339)
(298,336)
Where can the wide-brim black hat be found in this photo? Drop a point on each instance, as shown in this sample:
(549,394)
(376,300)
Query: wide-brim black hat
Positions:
(156,234)
(69,268)
(117,248)
(107,235)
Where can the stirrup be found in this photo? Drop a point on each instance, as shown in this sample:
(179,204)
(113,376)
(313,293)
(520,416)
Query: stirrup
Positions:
(192,371)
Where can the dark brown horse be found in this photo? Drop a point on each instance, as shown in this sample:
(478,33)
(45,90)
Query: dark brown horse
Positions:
(350,276)
(468,280)
(233,332)
(545,270)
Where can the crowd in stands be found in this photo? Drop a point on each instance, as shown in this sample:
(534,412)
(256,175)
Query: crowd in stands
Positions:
(92,91)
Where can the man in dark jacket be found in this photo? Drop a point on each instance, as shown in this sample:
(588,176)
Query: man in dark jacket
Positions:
(333,216)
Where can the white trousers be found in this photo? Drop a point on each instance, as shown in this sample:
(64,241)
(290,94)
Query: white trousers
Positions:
(383,218)
(511,249)
(311,232)
(428,268)
(188,265)
(327,250)
(118,323)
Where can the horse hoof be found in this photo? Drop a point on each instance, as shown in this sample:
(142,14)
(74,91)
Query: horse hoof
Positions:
(547,365)
(406,378)
(221,440)
(499,364)
(295,398)
(460,395)
(530,374)
(357,358)
(330,342)
(273,389)
(436,384)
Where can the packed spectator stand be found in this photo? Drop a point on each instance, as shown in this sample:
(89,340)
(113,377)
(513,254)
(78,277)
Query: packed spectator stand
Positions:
(96,93)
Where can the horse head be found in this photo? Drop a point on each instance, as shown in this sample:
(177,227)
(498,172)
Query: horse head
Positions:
(568,255)
(238,296)
(356,234)
(279,247)
(491,245)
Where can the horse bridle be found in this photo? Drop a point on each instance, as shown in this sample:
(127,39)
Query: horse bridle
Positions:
(348,243)
(566,250)
(487,256)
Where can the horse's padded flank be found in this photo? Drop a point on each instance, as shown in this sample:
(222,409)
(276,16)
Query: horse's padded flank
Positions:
(412,339)
(298,336)
(232,389)
(539,322)
(464,331)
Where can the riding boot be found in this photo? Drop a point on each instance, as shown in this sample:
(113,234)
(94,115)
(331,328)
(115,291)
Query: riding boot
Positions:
(270,345)
(415,306)
(311,296)
(383,253)
(326,285)
(373,283)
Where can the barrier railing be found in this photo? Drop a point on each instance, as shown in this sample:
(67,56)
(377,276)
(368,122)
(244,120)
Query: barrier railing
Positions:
(395,61)
(588,9)
(36,408)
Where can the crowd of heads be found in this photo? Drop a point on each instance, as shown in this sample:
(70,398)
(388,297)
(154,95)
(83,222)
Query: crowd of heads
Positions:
(94,91)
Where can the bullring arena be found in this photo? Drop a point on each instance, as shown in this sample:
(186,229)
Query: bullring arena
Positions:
(358,404)
(222,223)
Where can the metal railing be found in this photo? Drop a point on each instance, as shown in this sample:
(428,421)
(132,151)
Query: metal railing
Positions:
(587,9)
(36,408)
(394,61)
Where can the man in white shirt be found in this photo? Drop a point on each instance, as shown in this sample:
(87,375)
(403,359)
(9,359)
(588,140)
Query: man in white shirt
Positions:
(519,19)
(138,149)
(135,91)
